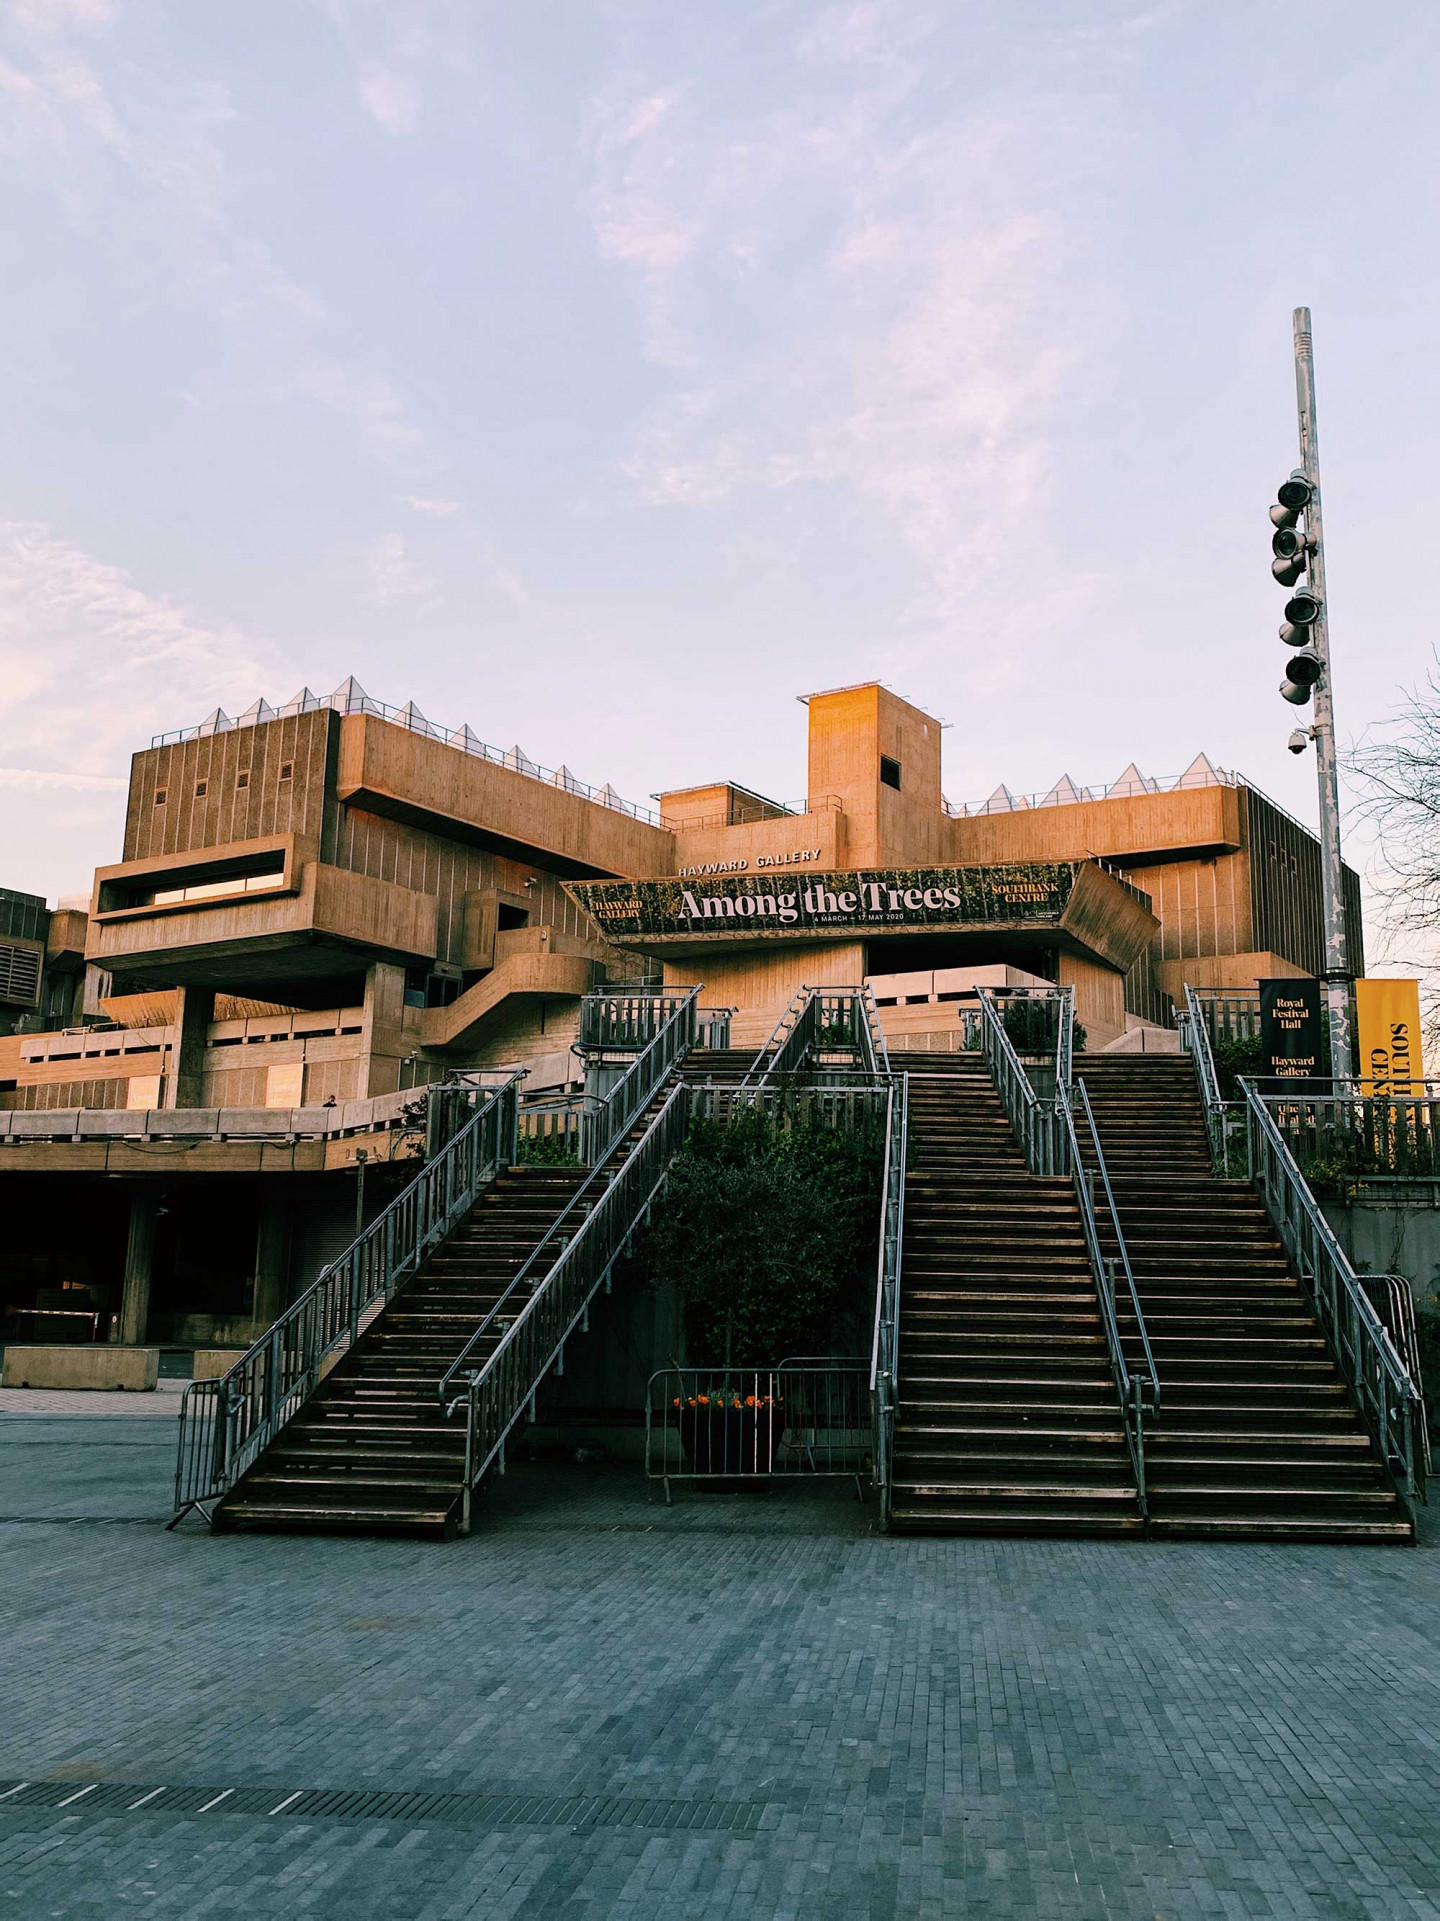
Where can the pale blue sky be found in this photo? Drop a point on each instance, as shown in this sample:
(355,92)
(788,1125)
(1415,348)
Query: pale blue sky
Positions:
(607,375)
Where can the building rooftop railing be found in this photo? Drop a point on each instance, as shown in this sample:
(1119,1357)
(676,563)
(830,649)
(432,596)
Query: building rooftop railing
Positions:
(350,698)
(1065,793)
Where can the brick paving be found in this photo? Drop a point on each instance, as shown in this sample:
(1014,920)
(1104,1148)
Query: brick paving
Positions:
(740,1706)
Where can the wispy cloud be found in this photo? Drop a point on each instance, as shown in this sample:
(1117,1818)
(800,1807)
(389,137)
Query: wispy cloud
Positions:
(91,663)
(857,291)
(40,780)
(433,509)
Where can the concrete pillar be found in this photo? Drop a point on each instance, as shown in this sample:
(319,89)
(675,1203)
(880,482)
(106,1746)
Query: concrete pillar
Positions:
(272,1254)
(384,1040)
(194,1011)
(139,1262)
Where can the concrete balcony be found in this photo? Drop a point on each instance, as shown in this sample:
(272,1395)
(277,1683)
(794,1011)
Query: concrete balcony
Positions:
(302,918)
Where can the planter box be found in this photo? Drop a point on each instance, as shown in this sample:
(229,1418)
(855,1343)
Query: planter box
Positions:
(134,1369)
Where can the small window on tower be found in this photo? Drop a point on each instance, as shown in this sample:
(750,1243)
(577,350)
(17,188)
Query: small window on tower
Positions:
(287,769)
(202,788)
(159,796)
(242,779)
(890,772)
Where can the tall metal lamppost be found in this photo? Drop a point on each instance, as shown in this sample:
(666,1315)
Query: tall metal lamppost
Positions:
(1307,633)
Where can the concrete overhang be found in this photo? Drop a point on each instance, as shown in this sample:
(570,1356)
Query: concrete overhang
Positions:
(424,783)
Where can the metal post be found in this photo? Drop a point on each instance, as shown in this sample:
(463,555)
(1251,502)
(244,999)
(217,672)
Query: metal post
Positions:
(1337,964)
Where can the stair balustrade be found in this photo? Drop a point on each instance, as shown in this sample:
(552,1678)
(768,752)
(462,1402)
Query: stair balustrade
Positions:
(823,1020)
(885,1346)
(568,1267)
(603,1125)
(1037,1124)
(1138,1388)
(1195,1039)
(227,1423)
(1389,1399)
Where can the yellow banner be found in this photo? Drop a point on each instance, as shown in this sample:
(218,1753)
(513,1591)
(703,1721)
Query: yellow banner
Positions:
(1387,1014)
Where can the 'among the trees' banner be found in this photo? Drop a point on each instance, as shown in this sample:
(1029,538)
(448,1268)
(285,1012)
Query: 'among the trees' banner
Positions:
(1387,1015)
(1290,1028)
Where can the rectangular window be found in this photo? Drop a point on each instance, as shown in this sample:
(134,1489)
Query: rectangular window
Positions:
(159,796)
(215,889)
(242,779)
(202,788)
(890,772)
(287,768)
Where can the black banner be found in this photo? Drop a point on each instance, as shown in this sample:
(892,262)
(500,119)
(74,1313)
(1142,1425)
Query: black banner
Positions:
(706,906)
(1290,1028)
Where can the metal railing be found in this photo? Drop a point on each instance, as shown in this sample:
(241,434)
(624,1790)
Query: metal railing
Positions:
(1351,1135)
(885,1343)
(805,1419)
(602,1125)
(1195,1038)
(1137,1387)
(572,1262)
(380,1113)
(225,1424)
(350,698)
(843,1103)
(1230,1014)
(1393,1300)
(1038,1125)
(629,1018)
(823,1020)
(1389,1399)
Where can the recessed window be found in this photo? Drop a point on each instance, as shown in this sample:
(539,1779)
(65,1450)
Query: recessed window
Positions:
(242,779)
(287,769)
(890,772)
(202,788)
(159,796)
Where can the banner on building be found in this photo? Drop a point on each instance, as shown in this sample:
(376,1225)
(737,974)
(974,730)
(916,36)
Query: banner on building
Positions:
(1290,1028)
(1387,1016)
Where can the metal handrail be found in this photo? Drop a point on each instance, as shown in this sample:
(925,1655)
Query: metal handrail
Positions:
(1065,1042)
(885,1344)
(802,1029)
(497,1394)
(1122,1257)
(225,1424)
(1361,1136)
(1388,1397)
(606,1124)
(602,1127)
(1195,1038)
(625,1017)
(1130,1384)
(1036,1123)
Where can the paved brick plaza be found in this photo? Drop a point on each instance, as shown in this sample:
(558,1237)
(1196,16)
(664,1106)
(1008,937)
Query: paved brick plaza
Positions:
(747,1706)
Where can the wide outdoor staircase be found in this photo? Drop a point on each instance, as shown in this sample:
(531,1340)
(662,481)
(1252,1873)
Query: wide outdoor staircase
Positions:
(1259,1436)
(371,1450)
(1007,1420)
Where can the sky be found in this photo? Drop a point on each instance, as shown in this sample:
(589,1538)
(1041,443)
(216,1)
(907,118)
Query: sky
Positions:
(607,376)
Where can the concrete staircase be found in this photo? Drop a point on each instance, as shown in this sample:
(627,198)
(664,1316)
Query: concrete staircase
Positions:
(371,1451)
(1008,1420)
(1258,1437)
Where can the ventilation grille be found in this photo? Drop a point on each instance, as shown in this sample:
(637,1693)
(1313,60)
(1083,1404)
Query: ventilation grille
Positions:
(19,973)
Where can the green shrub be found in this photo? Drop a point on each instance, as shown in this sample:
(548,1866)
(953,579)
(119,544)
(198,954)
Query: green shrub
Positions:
(770,1238)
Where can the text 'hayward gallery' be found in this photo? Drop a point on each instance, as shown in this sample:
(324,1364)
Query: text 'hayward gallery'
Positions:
(338,899)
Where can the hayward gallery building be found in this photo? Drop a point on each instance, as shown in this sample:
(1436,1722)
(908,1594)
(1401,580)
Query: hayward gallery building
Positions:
(336,902)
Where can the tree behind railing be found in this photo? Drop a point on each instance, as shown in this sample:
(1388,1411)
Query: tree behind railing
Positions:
(225,1424)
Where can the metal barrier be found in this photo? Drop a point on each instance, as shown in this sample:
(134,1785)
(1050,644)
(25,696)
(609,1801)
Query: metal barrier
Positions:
(602,1125)
(569,1266)
(1229,1014)
(846,1103)
(1138,1388)
(1388,1397)
(885,1344)
(225,1424)
(799,1419)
